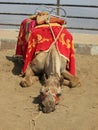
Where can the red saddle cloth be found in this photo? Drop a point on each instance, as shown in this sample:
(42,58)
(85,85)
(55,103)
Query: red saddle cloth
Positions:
(26,28)
(33,39)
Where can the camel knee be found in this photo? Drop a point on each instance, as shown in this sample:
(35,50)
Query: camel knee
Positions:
(70,80)
(29,71)
(28,81)
(74,82)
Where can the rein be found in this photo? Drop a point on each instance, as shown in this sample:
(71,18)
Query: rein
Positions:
(55,97)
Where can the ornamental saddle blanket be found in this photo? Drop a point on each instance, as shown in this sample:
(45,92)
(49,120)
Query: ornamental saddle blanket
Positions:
(34,38)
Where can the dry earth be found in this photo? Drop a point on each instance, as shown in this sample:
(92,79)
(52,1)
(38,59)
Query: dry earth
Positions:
(78,109)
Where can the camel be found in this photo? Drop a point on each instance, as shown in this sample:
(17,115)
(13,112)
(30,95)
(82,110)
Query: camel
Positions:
(52,64)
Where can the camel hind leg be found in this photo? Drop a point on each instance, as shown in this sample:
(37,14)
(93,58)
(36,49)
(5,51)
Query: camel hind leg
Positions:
(70,80)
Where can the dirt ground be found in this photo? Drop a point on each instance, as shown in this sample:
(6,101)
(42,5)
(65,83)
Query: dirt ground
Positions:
(78,108)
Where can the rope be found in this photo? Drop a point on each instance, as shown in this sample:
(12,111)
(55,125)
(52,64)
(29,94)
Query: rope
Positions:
(54,43)
(55,38)
(34,121)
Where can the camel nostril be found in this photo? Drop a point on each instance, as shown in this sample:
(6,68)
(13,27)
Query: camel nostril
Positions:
(45,110)
(48,107)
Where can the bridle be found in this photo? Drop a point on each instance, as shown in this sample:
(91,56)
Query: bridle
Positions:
(56,98)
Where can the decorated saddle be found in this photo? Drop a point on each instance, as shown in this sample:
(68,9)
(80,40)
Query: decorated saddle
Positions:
(37,35)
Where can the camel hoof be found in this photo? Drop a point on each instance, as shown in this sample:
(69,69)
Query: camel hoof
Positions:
(24,84)
(75,82)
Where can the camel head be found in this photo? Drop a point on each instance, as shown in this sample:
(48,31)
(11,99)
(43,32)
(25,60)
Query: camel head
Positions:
(50,94)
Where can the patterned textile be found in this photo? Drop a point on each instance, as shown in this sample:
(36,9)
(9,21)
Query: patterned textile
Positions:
(41,39)
(26,28)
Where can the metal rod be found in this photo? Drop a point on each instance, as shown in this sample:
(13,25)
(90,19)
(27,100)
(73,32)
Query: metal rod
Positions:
(79,17)
(69,5)
(58,5)
(77,28)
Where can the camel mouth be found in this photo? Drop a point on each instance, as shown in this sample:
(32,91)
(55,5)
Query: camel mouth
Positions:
(48,107)
(48,102)
(50,96)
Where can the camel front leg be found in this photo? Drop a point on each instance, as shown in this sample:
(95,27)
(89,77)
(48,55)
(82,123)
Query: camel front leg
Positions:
(70,80)
(29,78)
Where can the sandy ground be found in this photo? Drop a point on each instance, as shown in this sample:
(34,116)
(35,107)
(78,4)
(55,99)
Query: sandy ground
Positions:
(78,108)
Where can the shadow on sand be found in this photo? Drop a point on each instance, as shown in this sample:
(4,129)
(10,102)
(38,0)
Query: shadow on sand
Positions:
(18,64)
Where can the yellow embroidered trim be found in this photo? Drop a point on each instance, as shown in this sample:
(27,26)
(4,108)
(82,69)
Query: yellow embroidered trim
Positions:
(47,25)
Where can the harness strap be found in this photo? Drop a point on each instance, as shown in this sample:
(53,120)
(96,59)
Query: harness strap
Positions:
(55,38)
(55,97)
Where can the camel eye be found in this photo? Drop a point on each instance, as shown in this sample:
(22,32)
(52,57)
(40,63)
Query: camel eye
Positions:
(58,94)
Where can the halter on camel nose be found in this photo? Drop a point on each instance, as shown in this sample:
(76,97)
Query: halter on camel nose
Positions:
(49,100)
(50,94)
